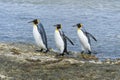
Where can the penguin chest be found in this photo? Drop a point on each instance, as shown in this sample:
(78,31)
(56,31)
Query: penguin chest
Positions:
(59,41)
(38,38)
(83,39)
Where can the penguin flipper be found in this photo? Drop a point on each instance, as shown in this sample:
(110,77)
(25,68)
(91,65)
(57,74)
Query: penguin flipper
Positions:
(65,41)
(43,34)
(67,38)
(90,35)
(87,35)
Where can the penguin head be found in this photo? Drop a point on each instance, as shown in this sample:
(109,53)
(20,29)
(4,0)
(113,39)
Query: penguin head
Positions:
(79,25)
(58,26)
(35,21)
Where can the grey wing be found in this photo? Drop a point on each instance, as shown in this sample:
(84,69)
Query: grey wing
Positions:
(64,40)
(43,34)
(68,39)
(63,36)
(88,35)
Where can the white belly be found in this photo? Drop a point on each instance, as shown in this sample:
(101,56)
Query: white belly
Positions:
(59,41)
(38,38)
(83,40)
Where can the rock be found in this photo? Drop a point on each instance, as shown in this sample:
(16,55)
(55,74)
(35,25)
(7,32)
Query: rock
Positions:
(71,61)
(22,62)
(88,57)
(2,76)
(95,62)
(15,51)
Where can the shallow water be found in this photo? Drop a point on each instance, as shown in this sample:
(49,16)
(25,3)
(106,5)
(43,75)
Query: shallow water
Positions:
(99,17)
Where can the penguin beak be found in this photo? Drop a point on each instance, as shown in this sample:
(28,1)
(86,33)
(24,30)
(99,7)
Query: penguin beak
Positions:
(30,21)
(55,25)
(74,25)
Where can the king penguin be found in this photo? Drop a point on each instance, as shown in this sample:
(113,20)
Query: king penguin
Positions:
(61,40)
(39,35)
(84,38)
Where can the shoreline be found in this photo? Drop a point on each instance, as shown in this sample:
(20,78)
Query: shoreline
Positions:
(21,61)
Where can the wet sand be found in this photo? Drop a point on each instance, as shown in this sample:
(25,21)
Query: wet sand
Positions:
(21,61)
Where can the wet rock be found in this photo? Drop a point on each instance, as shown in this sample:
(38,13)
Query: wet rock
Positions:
(88,57)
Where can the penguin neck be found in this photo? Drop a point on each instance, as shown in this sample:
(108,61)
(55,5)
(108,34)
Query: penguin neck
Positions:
(56,30)
(78,29)
(34,26)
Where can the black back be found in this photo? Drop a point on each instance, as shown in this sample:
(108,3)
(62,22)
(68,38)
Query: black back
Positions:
(65,38)
(88,35)
(43,34)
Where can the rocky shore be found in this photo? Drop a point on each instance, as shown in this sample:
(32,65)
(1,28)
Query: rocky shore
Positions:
(21,61)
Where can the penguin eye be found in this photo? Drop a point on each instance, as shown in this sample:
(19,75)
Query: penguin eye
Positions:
(58,27)
(79,25)
(36,22)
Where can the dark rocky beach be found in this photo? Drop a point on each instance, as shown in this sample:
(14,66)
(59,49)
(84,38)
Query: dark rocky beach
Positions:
(21,61)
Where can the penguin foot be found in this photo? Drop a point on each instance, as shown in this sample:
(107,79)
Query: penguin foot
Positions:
(66,53)
(89,52)
(61,54)
(40,50)
(46,51)
(82,52)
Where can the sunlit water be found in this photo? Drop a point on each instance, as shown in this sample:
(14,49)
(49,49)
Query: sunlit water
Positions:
(99,17)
